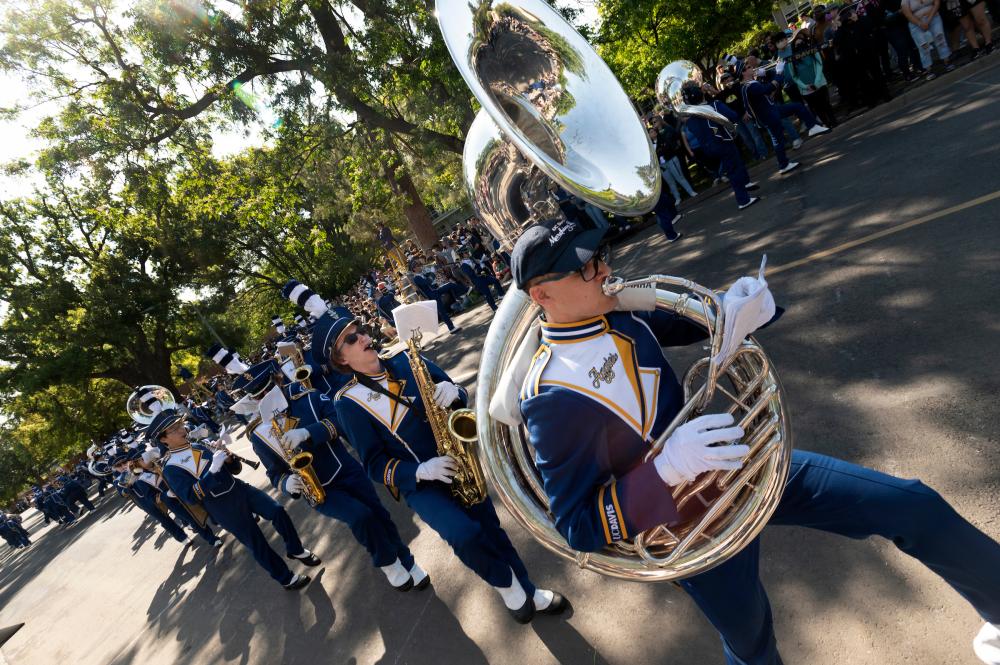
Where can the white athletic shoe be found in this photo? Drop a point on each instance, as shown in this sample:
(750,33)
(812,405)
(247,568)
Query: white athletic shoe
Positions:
(796,144)
(790,166)
(987,644)
(816,130)
(749,203)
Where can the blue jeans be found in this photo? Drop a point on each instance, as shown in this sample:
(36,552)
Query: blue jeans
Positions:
(674,177)
(839,497)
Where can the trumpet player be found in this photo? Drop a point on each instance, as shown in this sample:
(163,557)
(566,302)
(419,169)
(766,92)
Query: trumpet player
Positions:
(381,411)
(345,492)
(606,367)
(198,475)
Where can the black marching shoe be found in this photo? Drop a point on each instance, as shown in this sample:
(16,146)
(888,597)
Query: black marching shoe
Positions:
(297,582)
(525,613)
(306,557)
(557,606)
(405,586)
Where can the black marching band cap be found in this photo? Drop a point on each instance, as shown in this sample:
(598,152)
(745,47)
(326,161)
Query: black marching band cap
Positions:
(553,246)
(326,333)
(161,422)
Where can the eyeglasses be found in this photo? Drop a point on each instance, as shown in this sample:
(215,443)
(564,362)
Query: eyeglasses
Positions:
(589,270)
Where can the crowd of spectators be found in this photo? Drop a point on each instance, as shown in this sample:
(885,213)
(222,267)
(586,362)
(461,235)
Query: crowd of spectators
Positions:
(440,266)
(834,60)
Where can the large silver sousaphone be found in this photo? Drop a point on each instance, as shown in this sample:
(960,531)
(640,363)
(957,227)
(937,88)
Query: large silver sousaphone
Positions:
(554,116)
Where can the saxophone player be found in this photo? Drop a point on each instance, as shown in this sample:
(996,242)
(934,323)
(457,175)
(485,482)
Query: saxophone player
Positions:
(607,368)
(348,495)
(381,410)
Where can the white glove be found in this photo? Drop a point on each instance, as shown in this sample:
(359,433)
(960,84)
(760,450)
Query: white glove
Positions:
(293,485)
(150,456)
(445,393)
(688,452)
(218,459)
(225,437)
(294,437)
(441,468)
(197,433)
(171,494)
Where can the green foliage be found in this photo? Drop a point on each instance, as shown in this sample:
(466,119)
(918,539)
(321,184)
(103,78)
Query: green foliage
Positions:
(637,38)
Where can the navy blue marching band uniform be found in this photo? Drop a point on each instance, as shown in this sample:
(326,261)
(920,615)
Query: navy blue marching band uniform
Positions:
(394,440)
(427,290)
(143,489)
(231,503)
(12,531)
(482,283)
(718,142)
(74,493)
(610,373)
(350,496)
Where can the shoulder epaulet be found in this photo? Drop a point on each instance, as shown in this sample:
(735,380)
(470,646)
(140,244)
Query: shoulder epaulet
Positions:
(347,386)
(531,380)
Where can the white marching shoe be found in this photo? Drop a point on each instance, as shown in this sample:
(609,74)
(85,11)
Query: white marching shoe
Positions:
(818,129)
(987,644)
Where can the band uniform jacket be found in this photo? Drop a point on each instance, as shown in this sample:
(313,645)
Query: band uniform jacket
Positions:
(391,438)
(314,412)
(597,395)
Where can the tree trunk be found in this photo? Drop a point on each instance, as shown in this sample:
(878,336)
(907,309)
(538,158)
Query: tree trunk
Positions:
(418,217)
(417,214)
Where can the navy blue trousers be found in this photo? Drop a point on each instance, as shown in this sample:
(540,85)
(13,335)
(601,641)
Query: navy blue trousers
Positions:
(148,504)
(731,164)
(665,212)
(75,495)
(483,284)
(456,292)
(839,497)
(474,533)
(234,512)
(182,516)
(772,123)
(351,499)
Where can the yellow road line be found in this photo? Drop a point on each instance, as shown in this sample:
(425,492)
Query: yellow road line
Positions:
(816,256)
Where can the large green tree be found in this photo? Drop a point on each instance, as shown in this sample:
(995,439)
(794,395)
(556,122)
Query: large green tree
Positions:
(151,76)
(637,38)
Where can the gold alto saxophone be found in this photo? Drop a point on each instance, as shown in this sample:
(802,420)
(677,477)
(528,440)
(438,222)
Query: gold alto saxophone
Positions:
(299,462)
(455,432)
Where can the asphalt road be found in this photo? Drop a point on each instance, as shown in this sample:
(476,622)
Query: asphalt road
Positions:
(883,247)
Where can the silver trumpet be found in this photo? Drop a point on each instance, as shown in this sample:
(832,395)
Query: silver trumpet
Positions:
(554,116)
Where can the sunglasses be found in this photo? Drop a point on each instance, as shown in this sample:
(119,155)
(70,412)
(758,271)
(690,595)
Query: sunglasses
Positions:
(589,270)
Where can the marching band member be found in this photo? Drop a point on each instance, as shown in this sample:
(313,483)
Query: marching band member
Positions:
(183,513)
(719,143)
(12,531)
(323,378)
(142,489)
(606,367)
(199,475)
(758,103)
(481,282)
(349,495)
(381,412)
(73,493)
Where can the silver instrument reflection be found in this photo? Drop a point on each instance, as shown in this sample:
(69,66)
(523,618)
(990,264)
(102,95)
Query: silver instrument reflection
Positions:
(549,102)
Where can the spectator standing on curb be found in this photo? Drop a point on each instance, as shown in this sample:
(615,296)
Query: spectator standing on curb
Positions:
(806,70)
(667,143)
(970,15)
(858,55)
(927,30)
(898,34)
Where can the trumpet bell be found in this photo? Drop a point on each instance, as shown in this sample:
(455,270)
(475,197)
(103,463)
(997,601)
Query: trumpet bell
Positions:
(554,99)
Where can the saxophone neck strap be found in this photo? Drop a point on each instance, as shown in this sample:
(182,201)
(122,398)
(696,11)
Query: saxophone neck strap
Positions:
(373,385)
